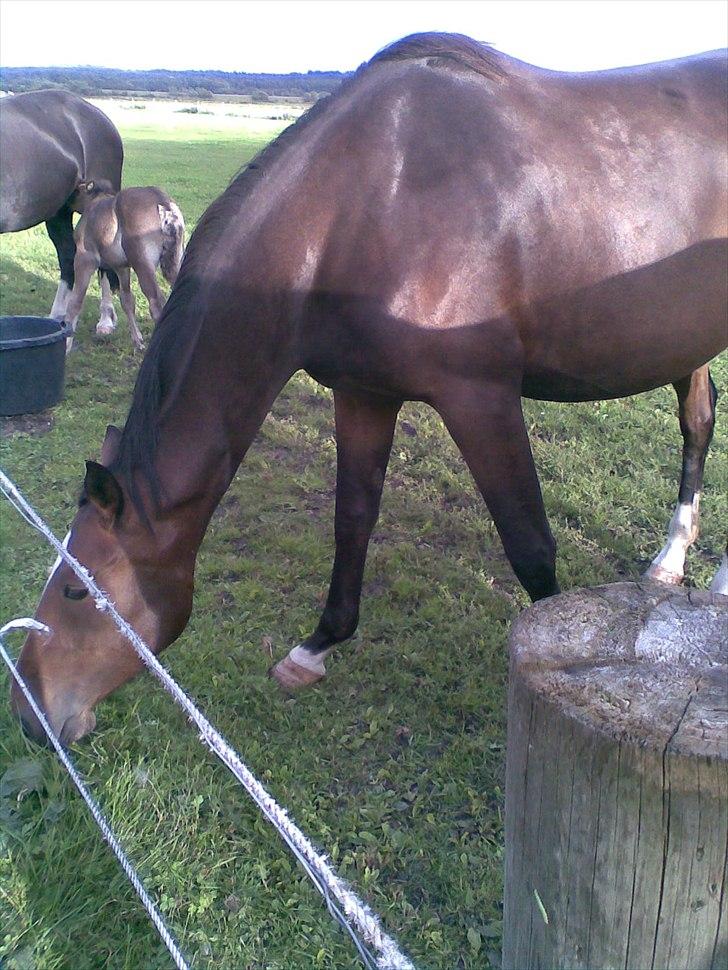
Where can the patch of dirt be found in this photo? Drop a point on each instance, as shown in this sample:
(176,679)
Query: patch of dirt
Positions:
(32,424)
(375,587)
(454,501)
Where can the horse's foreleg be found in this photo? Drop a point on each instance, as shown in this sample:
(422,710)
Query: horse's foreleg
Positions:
(107,315)
(60,230)
(487,425)
(84,268)
(127,304)
(696,396)
(364,432)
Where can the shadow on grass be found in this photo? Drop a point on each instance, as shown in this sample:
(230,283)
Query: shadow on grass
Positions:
(23,293)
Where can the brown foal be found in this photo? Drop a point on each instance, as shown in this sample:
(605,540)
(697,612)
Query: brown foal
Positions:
(139,229)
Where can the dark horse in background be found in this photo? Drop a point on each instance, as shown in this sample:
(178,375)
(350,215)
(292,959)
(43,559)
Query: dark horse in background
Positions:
(452,226)
(50,142)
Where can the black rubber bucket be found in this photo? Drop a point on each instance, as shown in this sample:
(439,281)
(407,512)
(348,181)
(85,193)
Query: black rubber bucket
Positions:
(32,364)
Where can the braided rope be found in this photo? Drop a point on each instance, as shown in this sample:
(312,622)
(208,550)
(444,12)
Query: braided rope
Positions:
(108,833)
(356,914)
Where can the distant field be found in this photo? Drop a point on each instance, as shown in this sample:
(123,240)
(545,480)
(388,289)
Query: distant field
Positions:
(198,119)
(395,764)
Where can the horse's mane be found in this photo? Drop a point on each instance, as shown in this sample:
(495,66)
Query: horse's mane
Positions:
(175,333)
(444,50)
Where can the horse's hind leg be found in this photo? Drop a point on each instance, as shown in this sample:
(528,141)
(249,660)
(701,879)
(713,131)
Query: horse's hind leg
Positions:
(150,289)
(107,315)
(127,304)
(60,230)
(364,432)
(696,395)
(139,257)
(486,423)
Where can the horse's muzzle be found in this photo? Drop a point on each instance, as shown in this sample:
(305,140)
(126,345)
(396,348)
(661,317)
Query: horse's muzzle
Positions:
(67,727)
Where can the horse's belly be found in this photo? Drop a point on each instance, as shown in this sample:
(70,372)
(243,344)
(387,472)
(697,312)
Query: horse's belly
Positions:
(113,255)
(633,332)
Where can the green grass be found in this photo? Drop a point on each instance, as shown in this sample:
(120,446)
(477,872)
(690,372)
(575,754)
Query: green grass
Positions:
(395,763)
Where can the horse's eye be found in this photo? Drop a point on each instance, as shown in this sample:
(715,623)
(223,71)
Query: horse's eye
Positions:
(73,593)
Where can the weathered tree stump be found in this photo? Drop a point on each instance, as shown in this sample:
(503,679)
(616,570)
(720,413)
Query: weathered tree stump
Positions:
(617,782)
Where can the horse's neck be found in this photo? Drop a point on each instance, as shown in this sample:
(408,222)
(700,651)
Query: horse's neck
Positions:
(225,387)
(229,329)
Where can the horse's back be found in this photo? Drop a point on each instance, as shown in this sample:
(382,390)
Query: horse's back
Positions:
(457,215)
(138,212)
(562,227)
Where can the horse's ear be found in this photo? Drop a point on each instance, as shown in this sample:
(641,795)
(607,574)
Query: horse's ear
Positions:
(110,447)
(101,488)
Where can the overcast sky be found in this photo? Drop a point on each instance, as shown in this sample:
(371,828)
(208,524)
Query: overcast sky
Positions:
(279,36)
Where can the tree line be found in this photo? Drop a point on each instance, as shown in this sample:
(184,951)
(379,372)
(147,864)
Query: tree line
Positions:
(95,81)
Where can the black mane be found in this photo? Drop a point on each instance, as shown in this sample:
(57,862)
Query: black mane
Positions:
(443,50)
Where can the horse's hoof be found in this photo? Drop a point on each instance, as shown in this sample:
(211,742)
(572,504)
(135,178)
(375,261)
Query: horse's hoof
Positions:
(292,676)
(659,575)
(105,329)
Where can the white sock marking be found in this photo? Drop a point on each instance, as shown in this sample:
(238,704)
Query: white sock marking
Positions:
(311,661)
(682,533)
(60,302)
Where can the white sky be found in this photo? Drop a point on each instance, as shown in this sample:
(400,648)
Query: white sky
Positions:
(279,36)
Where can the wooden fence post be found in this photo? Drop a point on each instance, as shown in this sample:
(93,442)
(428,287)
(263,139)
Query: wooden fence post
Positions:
(617,782)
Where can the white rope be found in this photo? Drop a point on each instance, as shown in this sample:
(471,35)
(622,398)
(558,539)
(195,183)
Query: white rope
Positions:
(356,914)
(108,833)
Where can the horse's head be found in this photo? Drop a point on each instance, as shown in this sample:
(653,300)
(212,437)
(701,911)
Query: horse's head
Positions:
(86,192)
(83,657)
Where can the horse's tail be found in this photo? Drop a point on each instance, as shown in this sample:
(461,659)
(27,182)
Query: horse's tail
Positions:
(173,239)
(112,277)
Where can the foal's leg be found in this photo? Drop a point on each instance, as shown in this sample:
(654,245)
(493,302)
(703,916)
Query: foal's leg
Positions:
(60,230)
(488,428)
(364,431)
(138,255)
(696,397)
(107,316)
(150,288)
(127,304)
(84,267)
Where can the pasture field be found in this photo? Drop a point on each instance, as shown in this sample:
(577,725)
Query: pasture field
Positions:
(395,763)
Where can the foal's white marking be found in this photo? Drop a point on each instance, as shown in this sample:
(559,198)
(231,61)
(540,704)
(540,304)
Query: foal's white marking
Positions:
(60,302)
(311,661)
(683,532)
(720,580)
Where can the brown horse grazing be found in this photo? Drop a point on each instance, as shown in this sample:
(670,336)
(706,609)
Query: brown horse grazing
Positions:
(139,229)
(50,141)
(453,226)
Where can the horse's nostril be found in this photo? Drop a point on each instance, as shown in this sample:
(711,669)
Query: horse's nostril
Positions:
(77,726)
